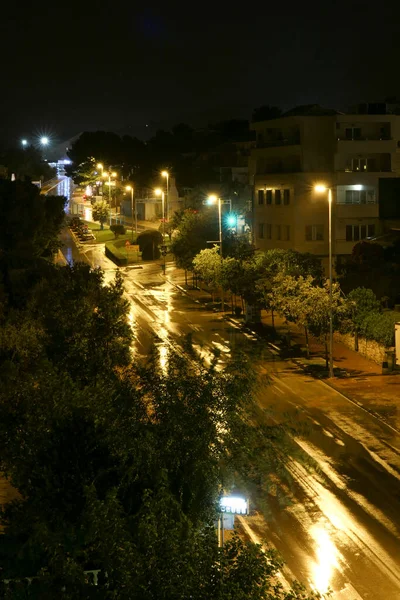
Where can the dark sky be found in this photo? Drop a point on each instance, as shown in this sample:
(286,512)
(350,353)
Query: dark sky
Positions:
(66,68)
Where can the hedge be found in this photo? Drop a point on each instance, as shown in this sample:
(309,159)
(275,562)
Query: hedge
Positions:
(116,253)
(380,327)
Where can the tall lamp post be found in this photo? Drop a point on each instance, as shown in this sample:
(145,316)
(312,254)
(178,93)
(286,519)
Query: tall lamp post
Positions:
(166,175)
(214,200)
(129,188)
(100,167)
(159,192)
(108,176)
(323,189)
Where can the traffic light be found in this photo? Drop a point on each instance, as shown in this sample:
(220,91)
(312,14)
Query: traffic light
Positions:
(231,220)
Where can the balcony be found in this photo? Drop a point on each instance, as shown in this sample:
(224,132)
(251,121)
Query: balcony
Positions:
(370,138)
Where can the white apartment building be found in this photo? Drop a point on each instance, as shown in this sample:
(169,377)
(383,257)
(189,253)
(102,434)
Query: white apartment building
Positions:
(350,153)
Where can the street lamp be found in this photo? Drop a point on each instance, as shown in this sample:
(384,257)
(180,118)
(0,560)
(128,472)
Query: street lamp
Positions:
(322,189)
(129,188)
(24,143)
(44,140)
(166,175)
(213,200)
(159,192)
(108,176)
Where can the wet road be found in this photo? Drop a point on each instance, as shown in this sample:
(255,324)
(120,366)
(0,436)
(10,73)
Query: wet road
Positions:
(337,524)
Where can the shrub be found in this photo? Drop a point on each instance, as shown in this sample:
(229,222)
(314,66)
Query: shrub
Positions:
(117,230)
(380,327)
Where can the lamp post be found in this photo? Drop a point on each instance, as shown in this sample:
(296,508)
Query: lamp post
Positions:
(129,188)
(108,176)
(100,167)
(322,189)
(166,175)
(159,192)
(213,200)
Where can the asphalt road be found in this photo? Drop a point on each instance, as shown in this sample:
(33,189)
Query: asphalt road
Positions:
(337,522)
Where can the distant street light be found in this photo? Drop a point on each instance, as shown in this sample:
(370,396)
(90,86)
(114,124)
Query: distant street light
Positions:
(159,192)
(24,142)
(166,175)
(108,176)
(322,189)
(44,140)
(213,200)
(129,188)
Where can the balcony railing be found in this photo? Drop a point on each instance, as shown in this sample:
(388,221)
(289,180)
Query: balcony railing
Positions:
(370,138)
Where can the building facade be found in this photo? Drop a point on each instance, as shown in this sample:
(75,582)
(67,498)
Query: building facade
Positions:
(350,153)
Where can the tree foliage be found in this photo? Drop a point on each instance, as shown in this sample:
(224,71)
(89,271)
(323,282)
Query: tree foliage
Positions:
(101,212)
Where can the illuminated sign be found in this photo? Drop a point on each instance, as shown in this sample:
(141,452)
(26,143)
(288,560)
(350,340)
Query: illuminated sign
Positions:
(234,505)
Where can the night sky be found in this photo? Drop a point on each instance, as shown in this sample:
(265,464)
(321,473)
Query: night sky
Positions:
(121,67)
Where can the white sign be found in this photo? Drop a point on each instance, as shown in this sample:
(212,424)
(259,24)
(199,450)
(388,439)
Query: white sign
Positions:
(234,505)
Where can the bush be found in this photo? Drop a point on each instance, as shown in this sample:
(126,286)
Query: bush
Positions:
(116,254)
(380,327)
(117,230)
(149,242)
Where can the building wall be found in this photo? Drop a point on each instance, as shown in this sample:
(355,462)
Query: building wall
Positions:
(349,153)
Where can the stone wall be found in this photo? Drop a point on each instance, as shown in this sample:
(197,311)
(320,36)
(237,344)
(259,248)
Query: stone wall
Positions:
(368,348)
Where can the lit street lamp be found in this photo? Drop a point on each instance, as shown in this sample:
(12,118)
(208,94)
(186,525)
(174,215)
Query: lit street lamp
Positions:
(24,143)
(44,141)
(212,200)
(166,175)
(129,188)
(159,192)
(108,176)
(323,189)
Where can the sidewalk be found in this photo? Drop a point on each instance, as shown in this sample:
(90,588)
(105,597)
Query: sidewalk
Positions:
(355,376)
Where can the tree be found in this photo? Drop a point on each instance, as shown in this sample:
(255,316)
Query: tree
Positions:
(27,164)
(149,242)
(208,265)
(101,212)
(123,477)
(194,230)
(363,302)
(300,300)
(85,321)
(266,113)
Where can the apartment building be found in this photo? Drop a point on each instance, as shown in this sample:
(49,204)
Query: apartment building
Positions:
(350,153)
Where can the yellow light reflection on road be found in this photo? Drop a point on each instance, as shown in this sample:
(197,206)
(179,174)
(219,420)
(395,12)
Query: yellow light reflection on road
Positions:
(163,350)
(322,570)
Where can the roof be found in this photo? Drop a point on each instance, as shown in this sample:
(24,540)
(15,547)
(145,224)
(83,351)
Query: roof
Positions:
(310,110)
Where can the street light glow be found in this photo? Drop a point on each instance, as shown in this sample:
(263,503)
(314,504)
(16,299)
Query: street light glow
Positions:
(158,192)
(128,188)
(164,173)
(100,166)
(44,140)
(113,174)
(24,142)
(212,199)
(320,188)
